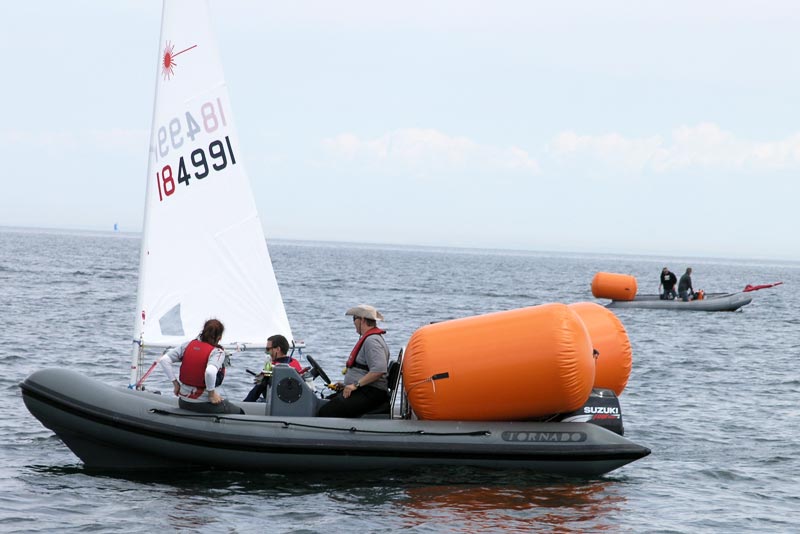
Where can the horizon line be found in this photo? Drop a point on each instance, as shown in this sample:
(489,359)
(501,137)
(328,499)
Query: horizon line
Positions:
(462,248)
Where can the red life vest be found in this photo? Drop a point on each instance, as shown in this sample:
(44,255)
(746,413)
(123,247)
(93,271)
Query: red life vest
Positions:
(194,362)
(294,364)
(351,361)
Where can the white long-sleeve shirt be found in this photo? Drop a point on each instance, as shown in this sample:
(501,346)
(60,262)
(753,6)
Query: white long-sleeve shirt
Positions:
(216,361)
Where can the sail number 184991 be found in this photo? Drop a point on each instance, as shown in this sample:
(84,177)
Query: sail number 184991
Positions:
(220,155)
(186,129)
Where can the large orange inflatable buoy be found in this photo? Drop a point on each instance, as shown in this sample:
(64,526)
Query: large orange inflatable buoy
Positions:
(614,286)
(609,338)
(502,366)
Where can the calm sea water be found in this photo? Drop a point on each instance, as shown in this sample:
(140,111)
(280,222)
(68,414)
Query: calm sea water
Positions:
(714,395)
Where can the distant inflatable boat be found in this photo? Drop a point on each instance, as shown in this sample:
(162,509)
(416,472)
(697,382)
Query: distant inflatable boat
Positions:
(621,290)
(711,302)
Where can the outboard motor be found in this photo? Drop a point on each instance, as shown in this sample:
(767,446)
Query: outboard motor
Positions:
(602,409)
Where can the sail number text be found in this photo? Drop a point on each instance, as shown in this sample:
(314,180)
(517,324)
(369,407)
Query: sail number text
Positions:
(220,155)
(189,129)
(210,119)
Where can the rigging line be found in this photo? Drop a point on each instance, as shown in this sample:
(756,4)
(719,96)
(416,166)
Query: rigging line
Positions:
(141,380)
(354,430)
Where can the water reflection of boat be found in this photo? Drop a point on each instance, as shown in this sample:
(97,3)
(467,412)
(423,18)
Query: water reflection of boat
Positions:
(514,506)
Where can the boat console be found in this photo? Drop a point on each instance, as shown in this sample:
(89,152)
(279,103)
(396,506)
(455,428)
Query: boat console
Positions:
(290,396)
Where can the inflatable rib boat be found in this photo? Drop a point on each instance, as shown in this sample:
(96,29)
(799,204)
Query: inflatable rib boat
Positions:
(621,289)
(710,302)
(122,429)
(558,412)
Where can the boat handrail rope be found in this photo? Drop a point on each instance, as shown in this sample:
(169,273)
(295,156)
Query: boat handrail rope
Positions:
(287,424)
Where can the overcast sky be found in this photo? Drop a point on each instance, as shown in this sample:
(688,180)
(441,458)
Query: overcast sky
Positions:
(620,127)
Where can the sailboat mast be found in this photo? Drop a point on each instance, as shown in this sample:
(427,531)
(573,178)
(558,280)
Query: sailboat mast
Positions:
(139,315)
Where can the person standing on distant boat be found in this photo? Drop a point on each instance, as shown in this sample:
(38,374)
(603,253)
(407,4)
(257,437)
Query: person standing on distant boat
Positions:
(277,347)
(668,281)
(365,383)
(203,363)
(685,289)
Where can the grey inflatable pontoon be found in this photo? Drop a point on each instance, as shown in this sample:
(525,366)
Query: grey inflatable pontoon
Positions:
(711,302)
(122,429)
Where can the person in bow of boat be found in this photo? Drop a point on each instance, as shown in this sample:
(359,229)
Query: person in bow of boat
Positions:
(667,282)
(277,349)
(203,363)
(685,289)
(365,383)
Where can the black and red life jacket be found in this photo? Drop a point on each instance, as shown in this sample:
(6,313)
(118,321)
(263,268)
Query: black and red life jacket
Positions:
(351,361)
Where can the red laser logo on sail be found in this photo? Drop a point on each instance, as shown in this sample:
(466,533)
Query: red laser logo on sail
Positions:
(168,59)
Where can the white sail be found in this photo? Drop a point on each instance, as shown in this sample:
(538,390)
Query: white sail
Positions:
(203,249)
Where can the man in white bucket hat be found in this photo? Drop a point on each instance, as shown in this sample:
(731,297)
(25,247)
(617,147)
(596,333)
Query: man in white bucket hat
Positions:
(365,386)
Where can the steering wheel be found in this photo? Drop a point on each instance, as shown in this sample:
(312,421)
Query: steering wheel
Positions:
(317,369)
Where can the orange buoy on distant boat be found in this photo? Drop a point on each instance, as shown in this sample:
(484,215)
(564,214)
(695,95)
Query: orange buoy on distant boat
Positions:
(614,286)
(501,366)
(609,338)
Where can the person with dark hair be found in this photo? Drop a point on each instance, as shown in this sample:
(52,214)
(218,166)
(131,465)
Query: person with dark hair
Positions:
(277,349)
(202,370)
(667,281)
(685,289)
(365,383)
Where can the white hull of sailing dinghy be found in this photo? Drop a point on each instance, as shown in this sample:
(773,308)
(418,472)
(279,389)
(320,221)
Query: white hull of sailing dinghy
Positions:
(199,205)
(122,429)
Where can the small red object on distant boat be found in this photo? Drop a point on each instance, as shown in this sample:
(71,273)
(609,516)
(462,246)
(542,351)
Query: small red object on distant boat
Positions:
(748,287)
